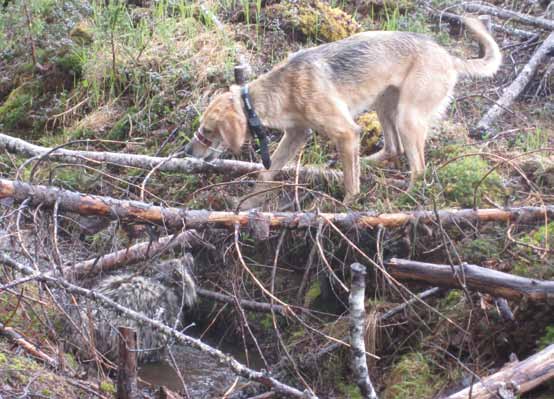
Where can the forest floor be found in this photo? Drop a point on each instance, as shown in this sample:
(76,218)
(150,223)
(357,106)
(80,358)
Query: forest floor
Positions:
(121,76)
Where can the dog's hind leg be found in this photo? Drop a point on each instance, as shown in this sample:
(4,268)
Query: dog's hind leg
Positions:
(288,147)
(386,107)
(412,128)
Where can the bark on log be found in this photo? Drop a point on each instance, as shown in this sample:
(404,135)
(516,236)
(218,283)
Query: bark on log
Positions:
(516,87)
(127,387)
(184,165)
(133,254)
(237,367)
(179,218)
(30,348)
(476,278)
(357,331)
(514,378)
(509,14)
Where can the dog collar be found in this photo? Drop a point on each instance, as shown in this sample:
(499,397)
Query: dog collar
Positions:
(198,136)
(203,139)
(257,130)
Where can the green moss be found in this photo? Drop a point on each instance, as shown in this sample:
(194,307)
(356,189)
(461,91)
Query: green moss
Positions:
(19,102)
(70,63)
(479,250)
(349,391)
(3,359)
(411,378)
(461,177)
(108,387)
(547,338)
(266,322)
(314,19)
(532,262)
(312,294)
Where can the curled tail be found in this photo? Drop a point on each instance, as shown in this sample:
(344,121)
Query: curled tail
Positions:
(489,64)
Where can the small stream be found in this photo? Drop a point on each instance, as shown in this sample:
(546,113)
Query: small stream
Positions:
(204,376)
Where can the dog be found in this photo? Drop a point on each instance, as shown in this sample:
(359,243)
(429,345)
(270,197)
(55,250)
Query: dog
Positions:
(406,77)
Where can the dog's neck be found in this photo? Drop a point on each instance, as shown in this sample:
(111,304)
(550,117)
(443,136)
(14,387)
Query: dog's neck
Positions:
(266,103)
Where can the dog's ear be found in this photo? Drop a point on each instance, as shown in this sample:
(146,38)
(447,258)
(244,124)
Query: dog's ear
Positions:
(232,130)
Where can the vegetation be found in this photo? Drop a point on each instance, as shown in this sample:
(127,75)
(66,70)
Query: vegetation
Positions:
(120,76)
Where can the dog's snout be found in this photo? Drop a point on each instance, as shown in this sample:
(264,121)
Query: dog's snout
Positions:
(188,150)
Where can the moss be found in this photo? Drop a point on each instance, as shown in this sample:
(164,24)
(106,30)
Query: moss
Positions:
(313,19)
(82,33)
(312,294)
(108,387)
(266,322)
(3,359)
(411,378)
(479,250)
(14,110)
(459,179)
(371,131)
(547,338)
(532,262)
(349,391)
(70,63)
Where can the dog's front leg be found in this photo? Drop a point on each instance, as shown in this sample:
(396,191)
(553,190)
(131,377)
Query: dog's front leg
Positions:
(288,147)
(348,144)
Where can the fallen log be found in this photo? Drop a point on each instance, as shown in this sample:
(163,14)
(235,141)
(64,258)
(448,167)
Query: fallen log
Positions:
(515,88)
(474,277)
(27,346)
(238,368)
(179,218)
(185,165)
(514,379)
(509,14)
(136,253)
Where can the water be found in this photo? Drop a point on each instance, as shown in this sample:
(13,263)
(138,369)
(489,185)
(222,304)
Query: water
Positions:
(204,376)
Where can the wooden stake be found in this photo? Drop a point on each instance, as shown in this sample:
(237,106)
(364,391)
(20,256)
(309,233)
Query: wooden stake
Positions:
(127,367)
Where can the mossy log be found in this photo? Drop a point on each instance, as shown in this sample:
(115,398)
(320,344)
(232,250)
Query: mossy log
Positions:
(514,379)
(185,165)
(179,218)
(474,277)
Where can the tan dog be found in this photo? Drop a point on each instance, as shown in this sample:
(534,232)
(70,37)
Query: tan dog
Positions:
(406,77)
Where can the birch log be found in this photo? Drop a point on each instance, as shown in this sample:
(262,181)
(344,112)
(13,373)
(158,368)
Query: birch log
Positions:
(502,13)
(476,278)
(357,323)
(514,378)
(185,165)
(516,87)
(179,218)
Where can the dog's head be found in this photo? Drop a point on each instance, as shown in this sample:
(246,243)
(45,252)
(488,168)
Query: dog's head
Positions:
(223,126)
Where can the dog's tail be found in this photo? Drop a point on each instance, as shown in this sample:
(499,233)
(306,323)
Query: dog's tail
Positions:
(489,64)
